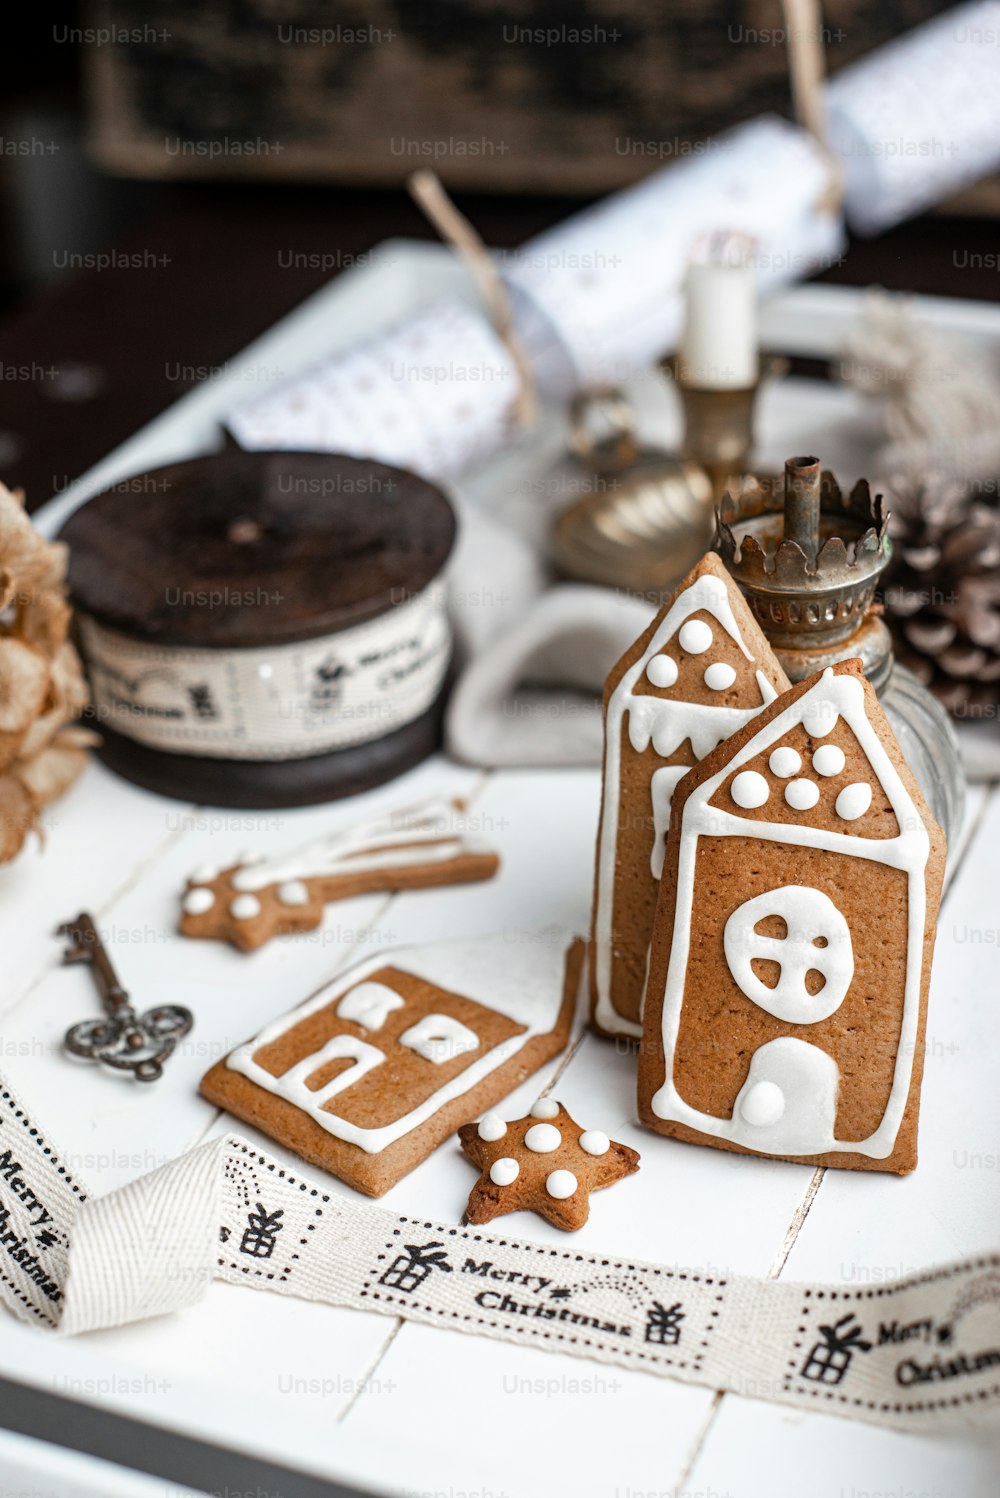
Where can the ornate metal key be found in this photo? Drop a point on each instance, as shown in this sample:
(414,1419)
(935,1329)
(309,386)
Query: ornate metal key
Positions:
(126,1041)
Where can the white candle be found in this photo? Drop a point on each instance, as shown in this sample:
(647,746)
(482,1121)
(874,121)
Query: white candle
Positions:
(718,349)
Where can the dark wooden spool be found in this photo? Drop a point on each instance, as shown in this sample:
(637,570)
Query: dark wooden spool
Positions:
(328,541)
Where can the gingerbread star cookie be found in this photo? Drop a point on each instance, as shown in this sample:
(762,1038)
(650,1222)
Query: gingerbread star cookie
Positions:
(544,1163)
(253,899)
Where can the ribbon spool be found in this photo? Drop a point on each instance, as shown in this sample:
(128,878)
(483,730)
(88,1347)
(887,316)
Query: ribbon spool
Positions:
(264,629)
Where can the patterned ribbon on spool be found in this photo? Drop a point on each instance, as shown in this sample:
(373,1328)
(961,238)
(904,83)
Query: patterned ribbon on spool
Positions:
(919,1354)
(274,702)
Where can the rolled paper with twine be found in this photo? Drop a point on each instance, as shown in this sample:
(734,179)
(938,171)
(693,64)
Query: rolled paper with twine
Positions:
(599,296)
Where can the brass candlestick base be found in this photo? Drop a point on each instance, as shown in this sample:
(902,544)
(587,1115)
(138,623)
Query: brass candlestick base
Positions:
(719,424)
(647,515)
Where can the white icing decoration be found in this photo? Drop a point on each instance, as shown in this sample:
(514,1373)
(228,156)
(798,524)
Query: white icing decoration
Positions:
(801,794)
(819,716)
(784,762)
(491,1127)
(695,637)
(206,874)
(244,907)
(504,1172)
(293,892)
(749,790)
(561,1184)
(762,1104)
(828,759)
(197,901)
(719,675)
(439,1038)
(806,1080)
(662,787)
(523,981)
(662,671)
(419,834)
(666,723)
(809,915)
(854,800)
(545,1107)
(593,1142)
(543,1138)
(807,1076)
(369,1005)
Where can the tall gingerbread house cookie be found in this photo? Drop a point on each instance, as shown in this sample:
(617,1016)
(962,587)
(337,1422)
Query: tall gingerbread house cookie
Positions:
(791,953)
(700,671)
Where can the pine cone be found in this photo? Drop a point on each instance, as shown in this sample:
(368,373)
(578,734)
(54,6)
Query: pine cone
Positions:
(942,594)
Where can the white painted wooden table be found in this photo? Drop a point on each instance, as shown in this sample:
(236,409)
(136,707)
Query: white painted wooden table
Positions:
(402,1408)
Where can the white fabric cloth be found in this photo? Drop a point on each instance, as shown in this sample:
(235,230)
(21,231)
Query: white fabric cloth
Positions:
(228,1211)
(533,696)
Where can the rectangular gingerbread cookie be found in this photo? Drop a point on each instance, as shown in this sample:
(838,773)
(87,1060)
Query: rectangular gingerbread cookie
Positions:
(786,1003)
(370,1075)
(700,671)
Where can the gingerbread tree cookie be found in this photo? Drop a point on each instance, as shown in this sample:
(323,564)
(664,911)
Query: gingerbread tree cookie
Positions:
(374,1071)
(544,1163)
(255,899)
(702,670)
(791,954)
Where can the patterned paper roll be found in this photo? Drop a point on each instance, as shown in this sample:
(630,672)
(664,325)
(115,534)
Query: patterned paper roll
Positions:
(431,394)
(605,287)
(594,298)
(919,118)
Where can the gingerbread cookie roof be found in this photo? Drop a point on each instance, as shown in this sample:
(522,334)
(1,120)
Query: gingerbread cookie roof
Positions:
(817,760)
(701,672)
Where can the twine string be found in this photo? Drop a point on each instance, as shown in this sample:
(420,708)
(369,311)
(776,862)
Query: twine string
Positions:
(429,194)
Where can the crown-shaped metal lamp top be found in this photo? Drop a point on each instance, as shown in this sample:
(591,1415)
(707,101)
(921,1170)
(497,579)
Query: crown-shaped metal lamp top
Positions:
(807,556)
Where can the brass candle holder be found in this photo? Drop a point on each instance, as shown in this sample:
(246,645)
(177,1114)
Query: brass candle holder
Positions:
(647,514)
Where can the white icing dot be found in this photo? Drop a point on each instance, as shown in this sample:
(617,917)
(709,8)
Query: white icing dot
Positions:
(819,717)
(545,1107)
(594,1142)
(764,1104)
(695,636)
(244,907)
(854,800)
(785,762)
(802,794)
(749,789)
(719,676)
(197,901)
(293,893)
(491,1127)
(543,1138)
(207,874)
(503,1172)
(561,1184)
(662,670)
(264,671)
(251,855)
(828,760)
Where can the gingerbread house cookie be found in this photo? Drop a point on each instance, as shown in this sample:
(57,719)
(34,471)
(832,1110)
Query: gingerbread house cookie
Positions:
(369,1075)
(702,670)
(791,954)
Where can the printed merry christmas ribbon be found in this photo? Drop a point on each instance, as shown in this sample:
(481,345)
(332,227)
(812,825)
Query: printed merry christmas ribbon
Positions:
(923,1352)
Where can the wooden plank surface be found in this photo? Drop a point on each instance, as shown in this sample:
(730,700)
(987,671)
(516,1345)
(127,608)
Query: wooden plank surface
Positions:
(320,1389)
